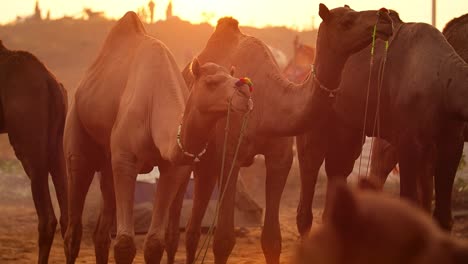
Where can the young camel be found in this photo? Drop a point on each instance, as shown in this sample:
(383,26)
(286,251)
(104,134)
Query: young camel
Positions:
(33,106)
(129,115)
(281,109)
(366,226)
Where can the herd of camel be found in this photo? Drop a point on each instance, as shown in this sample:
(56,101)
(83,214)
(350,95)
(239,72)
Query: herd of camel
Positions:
(134,110)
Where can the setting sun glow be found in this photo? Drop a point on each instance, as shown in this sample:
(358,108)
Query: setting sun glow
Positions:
(298,14)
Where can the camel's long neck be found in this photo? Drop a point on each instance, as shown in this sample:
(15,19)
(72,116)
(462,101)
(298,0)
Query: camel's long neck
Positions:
(289,109)
(454,78)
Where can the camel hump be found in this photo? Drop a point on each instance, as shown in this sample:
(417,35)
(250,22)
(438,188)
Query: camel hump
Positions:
(227,24)
(456,21)
(129,23)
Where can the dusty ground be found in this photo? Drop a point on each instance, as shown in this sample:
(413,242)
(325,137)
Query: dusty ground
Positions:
(18,234)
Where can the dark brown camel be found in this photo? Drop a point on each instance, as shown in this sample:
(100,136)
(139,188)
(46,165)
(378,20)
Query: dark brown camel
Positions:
(367,226)
(281,109)
(413,117)
(33,106)
(384,156)
(132,111)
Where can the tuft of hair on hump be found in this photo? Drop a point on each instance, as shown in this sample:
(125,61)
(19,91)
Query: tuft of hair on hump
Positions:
(395,16)
(227,24)
(129,23)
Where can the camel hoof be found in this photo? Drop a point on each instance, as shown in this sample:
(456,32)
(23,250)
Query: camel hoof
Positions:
(124,250)
(445,222)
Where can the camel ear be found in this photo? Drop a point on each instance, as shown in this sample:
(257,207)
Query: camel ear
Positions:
(195,68)
(347,6)
(232,71)
(342,208)
(324,13)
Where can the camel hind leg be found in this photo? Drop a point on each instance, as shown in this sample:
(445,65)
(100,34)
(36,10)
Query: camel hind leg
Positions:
(81,155)
(59,177)
(101,236)
(278,163)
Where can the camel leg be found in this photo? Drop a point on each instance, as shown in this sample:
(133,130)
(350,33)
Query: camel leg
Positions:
(80,156)
(342,152)
(206,173)
(172,231)
(170,182)
(450,148)
(125,172)
(278,164)
(384,159)
(310,153)
(59,177)
(37,171)
(224,237)
(101,237)
(415,164)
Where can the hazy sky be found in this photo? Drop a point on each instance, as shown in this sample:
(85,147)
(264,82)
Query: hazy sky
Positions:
(291,13)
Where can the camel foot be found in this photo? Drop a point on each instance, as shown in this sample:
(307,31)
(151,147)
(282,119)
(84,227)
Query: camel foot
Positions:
(124,249)
(304,222)
(153,249)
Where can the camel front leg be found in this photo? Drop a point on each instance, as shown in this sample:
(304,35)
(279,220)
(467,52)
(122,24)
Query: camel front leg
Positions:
(173,226)
(206,175)
(170,182)
(311,150)
(125,172)
(278,164)
(416,170)
(450,149)
(224,237)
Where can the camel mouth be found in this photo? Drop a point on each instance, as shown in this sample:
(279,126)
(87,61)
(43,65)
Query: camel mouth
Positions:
(384,30)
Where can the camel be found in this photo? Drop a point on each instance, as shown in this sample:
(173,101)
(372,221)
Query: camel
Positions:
(367,226)
(416,116)
(298,67)
(32,99)
(127,117)
(384,156)
(295,106)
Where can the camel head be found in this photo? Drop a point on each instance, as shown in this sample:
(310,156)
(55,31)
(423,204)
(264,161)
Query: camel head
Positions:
(346,31)
(214,89)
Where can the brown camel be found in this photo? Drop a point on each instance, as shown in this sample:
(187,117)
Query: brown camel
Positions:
(127,117)
(33,106)
(384,156)
(281,108)
(366,226)
(421,114)
(298,67)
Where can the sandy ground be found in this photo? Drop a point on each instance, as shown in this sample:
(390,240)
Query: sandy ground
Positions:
(18,231)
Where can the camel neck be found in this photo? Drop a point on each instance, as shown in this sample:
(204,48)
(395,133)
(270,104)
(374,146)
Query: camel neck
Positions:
(193,135)
(328,67)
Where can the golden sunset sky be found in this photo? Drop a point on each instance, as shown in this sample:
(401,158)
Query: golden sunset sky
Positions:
(291,13)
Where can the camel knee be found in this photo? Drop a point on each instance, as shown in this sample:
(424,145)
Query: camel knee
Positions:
(47,229)
(154,248)
(124,249)
(63,224)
